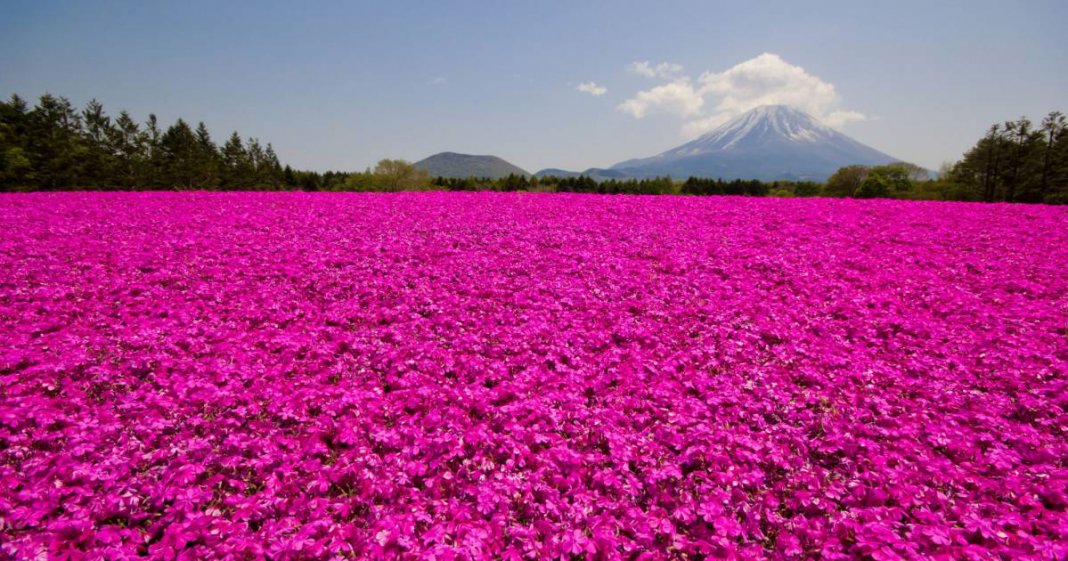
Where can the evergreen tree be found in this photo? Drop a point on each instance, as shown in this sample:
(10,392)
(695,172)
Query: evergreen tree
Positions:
(270,172)
(155,162)
(179,152)
(289,178)
(1058,170)
(1053,127)
(207,159)
(1021,172)
(98,158)
(132,148)
(237,169)
(54,143)
(16,170)
(1013,162)
(257,158)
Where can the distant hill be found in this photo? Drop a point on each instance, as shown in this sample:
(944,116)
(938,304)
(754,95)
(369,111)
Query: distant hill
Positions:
(767,143)
(556,172)
(451,164)
(600,174)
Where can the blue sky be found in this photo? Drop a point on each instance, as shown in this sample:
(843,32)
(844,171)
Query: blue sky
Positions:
(341,85)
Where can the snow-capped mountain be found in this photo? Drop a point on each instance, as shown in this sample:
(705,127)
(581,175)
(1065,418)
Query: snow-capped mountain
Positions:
(769,142)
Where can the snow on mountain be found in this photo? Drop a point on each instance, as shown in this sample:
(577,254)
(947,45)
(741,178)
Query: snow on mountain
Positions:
(768,143)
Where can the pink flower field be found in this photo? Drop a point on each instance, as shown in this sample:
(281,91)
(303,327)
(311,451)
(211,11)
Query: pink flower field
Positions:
(521,376)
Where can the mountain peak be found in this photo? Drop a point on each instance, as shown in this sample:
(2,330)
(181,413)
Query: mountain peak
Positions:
(767,142)
(760,125)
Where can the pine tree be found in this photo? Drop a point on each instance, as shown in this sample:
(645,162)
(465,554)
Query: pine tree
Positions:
(155,160)
(1053,126)
(97,156)
(237,169)
(272,169)
(55,146)
(206,159)
(131,147)
(16,169)
(289,178)
(179,150)
(261,175)
(55,143)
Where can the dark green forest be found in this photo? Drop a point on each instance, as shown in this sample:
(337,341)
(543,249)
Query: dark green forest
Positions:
(55,146)
(1017,161)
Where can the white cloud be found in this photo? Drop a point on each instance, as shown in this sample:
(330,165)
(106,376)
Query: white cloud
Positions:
(840,118)
(592,88)
(697,127)
(436,81)
(678,97)
(764,80)
(662,70)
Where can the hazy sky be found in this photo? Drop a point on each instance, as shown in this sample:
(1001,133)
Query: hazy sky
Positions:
(543,84)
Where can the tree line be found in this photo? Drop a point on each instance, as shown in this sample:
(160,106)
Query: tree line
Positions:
(1014,162)
(54,146)
(1017,162)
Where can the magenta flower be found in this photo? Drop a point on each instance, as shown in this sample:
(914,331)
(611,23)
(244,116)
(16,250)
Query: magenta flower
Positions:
(461,376)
